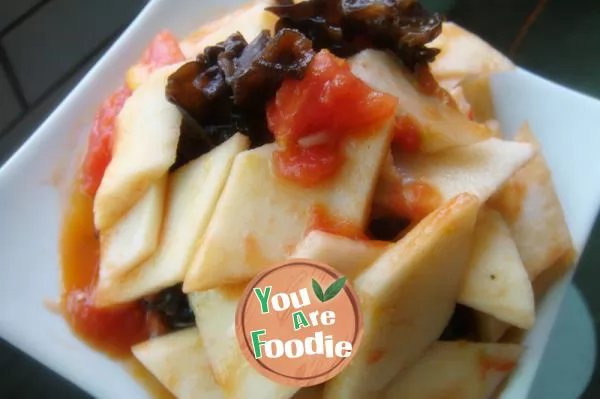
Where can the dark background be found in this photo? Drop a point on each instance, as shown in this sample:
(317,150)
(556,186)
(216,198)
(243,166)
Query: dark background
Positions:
(47,46)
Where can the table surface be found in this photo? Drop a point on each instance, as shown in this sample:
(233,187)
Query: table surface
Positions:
(46,46)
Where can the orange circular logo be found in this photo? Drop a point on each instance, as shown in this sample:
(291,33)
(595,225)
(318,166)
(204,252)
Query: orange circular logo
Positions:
(299,323)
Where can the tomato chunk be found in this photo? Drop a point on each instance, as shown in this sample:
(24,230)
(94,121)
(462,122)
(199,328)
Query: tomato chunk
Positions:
(407,134)
(99,151)
(311,117)
(163,50)
(115,329)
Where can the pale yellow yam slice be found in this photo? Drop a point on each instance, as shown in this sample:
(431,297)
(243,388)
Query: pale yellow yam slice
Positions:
(261,216)
(496,281)
(215,317)
(442,126)
(489,329)
(193,192)
(215,313)
(144,148)
(249,21)
(346,255)
(477,90)
(464,53)
(407,297)
(456,370)
(479,169)
(135,237)
(530,206)
(178,360)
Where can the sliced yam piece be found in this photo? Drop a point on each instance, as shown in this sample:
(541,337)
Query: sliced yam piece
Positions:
(408,297)
(489,328)
(479,169)
(193,192)
(135,237)
(215,313)
(249,21)
(178,360)
(441,126)
(529,204)
(496,282)
(457,370)
(215,317)
(261,217)
(346,255)
(464,53)
(541,285)
(477,91)
(144,148)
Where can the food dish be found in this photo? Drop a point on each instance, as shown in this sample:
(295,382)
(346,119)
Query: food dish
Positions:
(483,193)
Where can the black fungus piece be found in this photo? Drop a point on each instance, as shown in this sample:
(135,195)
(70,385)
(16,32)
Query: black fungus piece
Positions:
(346,27)
(225,90)
(461,326)
(172,305)
(387,228)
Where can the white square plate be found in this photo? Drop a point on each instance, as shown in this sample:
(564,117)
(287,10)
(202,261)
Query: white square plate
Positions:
(32,197)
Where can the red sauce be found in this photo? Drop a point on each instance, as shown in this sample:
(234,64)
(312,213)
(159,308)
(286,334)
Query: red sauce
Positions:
(323,220)
(487,363)
(329,104)
(375,356)
(414,199)
(112,330)
(100,141)
(407,133)
(163,50)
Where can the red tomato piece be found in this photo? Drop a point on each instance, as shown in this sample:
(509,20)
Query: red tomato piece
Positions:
(114,329)
(99,151)
(163,50)
(329,101)
(407,134)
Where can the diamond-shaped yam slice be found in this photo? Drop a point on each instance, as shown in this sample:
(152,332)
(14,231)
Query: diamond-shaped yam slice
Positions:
(407,297)
(144,148)
(490,329)
(479,169)
(496,281)
(135,237)
(532,209)
(249,21)
(215,317)
(215,312)
(463,53)
(178,360)
(193,192)
(441,126)
(346,255)
(457,370)
(261,216)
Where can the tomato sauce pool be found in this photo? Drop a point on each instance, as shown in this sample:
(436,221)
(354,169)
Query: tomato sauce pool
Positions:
(112,330)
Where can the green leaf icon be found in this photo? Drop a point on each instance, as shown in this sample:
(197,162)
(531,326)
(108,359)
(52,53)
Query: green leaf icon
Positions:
(334,288)
(318,290)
